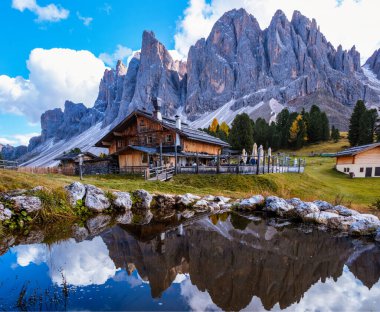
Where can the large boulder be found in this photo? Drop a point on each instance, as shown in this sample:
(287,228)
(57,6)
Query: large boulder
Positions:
(28,203)
(301,209)
(122,200)
(364,224)
(141,200)
(277,205)
(323,217)
(323,205)
(251,203)
(187,214)
(187,199)
(75,191)
(5,213)
(222,200)
(96,200)
(202,206)
(344,211)
(164,201)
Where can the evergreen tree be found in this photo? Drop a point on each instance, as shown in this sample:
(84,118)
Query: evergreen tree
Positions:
(367,125)
(283,125)
(297,132)
(314,130)
(325,127)
(335,134)
(241,133)
(354,128)
(1,156)
(261,132)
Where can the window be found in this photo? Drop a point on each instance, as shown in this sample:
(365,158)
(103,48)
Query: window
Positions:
(144,158)
(168,138)
(377,172)
(119,143)
(362,169)
(149,140)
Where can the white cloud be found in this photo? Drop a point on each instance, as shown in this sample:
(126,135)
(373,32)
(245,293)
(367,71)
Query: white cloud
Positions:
(121,53)
(6,141)
(82,264)
(352,22)
(86,20)
(55,76)
(107,8)
(48,13)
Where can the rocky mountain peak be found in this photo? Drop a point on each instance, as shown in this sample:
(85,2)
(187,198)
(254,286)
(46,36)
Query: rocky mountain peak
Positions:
(374,63)
(121,69)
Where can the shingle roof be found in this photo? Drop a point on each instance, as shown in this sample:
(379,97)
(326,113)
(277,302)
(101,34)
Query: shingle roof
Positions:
(73,156)
(357,149)
(186,130)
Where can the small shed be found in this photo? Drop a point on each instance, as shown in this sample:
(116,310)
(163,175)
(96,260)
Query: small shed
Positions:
(360,161)
(69,161)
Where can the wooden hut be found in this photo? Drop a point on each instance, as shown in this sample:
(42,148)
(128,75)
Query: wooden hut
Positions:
(360,161)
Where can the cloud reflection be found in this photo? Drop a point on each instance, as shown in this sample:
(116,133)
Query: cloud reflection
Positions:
(82,264)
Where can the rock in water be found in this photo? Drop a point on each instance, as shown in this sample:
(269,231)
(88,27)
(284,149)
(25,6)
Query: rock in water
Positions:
(27,203)
(277,205)
(125,218)
(301,209)
(122,200)
(75,191)
(187,199)
(323,205)
(365,224)
(96,199)
(251,203)
(164,201)
(141,200)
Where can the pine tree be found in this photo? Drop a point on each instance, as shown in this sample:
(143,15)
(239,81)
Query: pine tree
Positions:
(367,125)
(261,132)
(214,125)
(325,127)
(354,128)
(335,134)
(283,123)
(314,130)
(241,133)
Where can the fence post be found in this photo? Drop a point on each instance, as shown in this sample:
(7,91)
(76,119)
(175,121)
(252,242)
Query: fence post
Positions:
(263,162)
(268,163)
(238,165)
(218,164)
(197,161)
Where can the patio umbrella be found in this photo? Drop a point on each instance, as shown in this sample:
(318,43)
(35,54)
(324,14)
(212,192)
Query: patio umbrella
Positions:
(244,155)
(254,151)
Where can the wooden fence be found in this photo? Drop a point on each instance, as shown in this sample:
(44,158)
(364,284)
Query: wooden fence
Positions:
(41,170)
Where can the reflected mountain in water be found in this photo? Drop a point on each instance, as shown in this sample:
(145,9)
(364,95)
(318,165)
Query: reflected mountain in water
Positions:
(236,259)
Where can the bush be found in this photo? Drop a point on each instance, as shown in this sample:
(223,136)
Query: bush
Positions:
(376,205)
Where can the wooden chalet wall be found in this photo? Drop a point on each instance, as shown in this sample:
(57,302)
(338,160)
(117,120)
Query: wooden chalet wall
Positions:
(199,147)
(344,160)
(370,157)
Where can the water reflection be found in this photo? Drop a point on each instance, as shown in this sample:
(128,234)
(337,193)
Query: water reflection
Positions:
(222,262)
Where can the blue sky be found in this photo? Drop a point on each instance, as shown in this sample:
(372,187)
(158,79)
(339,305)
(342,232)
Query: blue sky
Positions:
(57,50)
(113,23)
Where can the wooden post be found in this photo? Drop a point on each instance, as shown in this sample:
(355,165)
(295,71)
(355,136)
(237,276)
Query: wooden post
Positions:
(160,154)
(197,161)
(175,158)
(218,163)
(299,165)
(238,165)
(263,162)
(268,163)
(258,162)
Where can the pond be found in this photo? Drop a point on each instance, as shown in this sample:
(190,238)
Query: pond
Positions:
(220,262)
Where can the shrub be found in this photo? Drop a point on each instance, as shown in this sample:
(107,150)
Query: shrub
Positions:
(376,205)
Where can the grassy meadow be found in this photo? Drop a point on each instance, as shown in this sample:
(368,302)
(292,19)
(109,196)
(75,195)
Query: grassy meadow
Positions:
(319,181)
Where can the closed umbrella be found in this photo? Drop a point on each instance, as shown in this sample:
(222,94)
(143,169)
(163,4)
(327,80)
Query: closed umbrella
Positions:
(244,155)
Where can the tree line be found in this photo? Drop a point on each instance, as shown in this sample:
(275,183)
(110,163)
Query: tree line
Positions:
(364,125)
(291,130)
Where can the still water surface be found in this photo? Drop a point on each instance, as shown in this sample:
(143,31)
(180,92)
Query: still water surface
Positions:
(216,263)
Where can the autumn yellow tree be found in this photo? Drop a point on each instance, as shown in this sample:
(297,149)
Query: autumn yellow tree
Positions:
(224,127)
(297,132)
(214,125)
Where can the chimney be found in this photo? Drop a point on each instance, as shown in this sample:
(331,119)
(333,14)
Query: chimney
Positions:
(178,122)
(157,108)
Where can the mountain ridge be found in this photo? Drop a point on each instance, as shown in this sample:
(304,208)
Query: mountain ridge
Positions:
(238,68)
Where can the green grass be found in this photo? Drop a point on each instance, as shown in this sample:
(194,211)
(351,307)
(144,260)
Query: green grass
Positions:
(320,181)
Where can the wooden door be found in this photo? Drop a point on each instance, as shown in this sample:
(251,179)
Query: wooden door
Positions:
(368,172)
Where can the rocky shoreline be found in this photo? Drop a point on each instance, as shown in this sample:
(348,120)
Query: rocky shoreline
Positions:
(140,208)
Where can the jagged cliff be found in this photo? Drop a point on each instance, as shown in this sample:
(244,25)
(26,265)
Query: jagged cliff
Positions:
(238,68)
